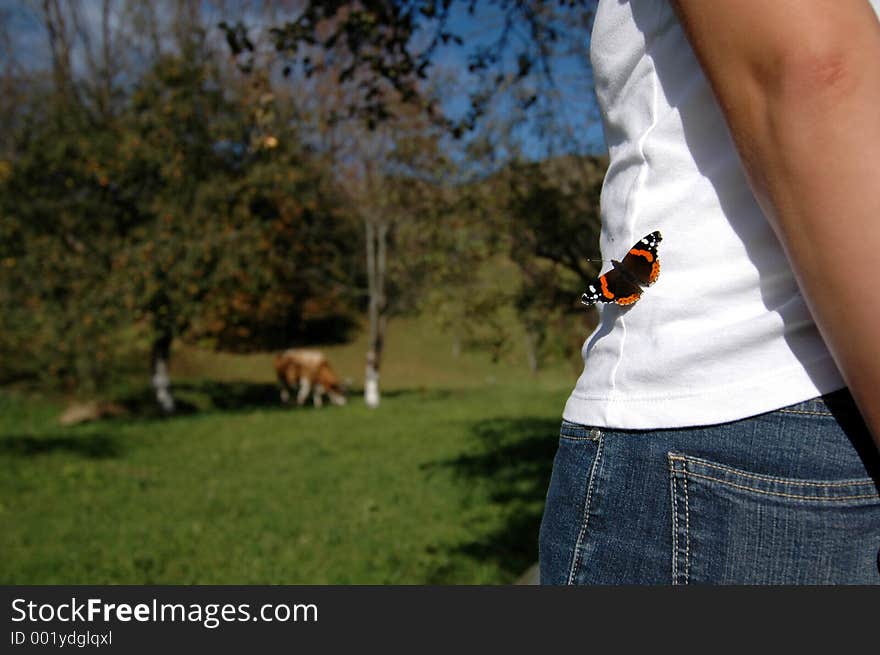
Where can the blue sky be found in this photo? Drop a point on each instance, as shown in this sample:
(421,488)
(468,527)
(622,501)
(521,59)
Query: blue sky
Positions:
(574,110)
(571,108)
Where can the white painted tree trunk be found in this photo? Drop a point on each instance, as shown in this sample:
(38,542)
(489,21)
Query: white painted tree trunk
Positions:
(162,386)
(377,236)
(371,387)
(161,379)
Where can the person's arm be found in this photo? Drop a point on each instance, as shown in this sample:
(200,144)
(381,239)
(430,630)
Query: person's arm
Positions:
(799,85)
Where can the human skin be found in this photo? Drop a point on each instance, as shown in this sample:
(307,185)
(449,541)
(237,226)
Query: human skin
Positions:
(799,84)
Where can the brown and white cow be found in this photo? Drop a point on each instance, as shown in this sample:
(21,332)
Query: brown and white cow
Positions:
(310,371)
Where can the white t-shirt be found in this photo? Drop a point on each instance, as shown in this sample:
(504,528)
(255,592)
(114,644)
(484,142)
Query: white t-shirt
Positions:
(724,333)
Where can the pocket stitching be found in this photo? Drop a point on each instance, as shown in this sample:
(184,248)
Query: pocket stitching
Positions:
(674,523)
(687,531)
(593,434)
(681,467)
(770,478)
(677,475)
(569,437)
(779,493)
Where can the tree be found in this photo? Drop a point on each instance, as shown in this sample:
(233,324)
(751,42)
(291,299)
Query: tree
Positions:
(553,209)
(538,223)
(286,273)
(385,50)
(64,221)
(388,184)
(387,177)
(178,116)
(249,249)
(380,53)
(193,212)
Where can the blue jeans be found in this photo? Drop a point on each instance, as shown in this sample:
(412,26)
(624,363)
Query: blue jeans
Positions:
(788,497)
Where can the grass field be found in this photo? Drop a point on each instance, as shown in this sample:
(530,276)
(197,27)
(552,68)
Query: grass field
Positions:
(444,483)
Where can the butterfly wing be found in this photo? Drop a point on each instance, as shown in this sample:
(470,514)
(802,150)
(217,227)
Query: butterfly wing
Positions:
(611,287)
(623,284)
(642,262)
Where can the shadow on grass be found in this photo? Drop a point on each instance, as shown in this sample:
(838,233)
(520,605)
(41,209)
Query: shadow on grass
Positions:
(213,396)
(203,396)
(91,446)
(424,393)
(513,463)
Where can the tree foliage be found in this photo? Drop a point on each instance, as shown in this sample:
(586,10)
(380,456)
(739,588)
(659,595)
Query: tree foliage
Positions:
(554,233)
(517,250)
(158,192)
(183,216)
(386,50)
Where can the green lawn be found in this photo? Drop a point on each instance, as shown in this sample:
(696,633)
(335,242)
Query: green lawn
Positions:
(444,483)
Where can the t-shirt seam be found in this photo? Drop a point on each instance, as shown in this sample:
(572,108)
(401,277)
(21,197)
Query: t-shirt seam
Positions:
(633,200)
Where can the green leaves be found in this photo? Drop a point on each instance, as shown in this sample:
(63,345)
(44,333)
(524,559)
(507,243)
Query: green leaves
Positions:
(193,213)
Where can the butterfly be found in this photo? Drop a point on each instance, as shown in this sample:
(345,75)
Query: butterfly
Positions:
(623,283)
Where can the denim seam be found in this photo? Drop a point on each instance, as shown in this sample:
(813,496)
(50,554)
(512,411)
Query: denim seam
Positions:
(803,411)
(578,546)
(573,438)
(789,481)
(672,483)
(687,529)
(679,476)
(779,493)
(576,432)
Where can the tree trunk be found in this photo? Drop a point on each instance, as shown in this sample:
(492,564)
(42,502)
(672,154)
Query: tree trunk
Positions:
(532,351)
(377,236)
(456,345)
(160,372)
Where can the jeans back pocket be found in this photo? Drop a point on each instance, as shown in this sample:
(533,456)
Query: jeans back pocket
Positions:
(730,526)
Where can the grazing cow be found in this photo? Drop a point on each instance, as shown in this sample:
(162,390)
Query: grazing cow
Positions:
(310,371)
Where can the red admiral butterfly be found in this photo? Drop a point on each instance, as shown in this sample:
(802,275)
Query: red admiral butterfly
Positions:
(623,284)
